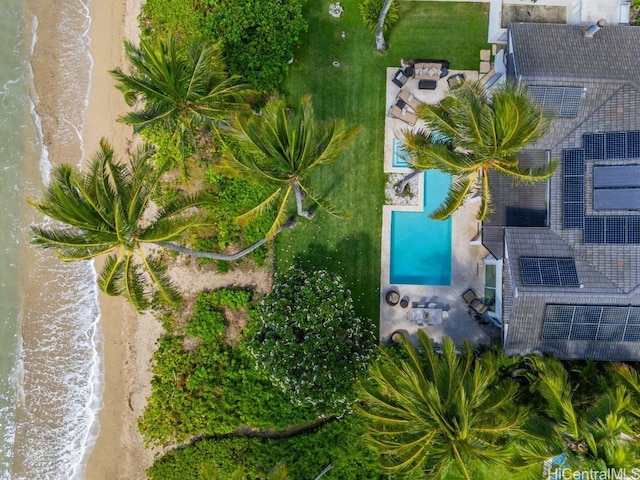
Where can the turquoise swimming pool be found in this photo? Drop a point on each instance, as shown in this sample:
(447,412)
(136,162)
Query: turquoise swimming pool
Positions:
(420,251)
(399,157)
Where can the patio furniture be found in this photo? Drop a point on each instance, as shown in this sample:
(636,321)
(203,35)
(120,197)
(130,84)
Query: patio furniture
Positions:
(408,98)
(445,315)
(403,114)
(404,302)
(432,305)
(429,316)
(428,84)
(473,302)
(392,297)
(397,334)
(426,71)
(400,78)
(456,80)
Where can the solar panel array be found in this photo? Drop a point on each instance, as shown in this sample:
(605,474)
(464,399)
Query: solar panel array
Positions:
(558,101)
(573,188)
(549,271)
(605,229)
(612,229)
(600,146)
(601,323)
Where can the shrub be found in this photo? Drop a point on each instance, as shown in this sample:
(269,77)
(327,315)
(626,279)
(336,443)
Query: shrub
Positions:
(310,342)
(340,442)
(370,10)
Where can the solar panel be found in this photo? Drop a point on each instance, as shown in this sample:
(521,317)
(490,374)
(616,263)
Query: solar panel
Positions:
(604,323)
(573,215)
(616,199)
(593,145)
(573,190)
(615,145)
(616,176)
(559,101)
(573,161)
(549,271)
(593,230)
(615,230)
(633,144)
(633,229)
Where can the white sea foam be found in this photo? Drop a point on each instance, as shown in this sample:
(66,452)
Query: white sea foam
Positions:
(58,378)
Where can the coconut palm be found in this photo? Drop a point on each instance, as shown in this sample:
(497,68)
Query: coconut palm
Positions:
(470,133)
(106,210)
(282,148)
(599,432)
(180,92)
(431,414)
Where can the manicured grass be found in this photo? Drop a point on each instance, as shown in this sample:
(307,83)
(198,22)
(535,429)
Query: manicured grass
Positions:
(355,91)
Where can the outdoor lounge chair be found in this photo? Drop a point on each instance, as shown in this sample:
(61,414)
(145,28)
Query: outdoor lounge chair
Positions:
(403,114)
(409,99)
(473,302)
(400,78)
(404,302)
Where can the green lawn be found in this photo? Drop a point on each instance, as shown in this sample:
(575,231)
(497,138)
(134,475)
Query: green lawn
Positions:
(356,92)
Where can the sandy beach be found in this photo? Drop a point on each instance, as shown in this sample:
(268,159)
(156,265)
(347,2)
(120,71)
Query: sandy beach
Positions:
(129,339)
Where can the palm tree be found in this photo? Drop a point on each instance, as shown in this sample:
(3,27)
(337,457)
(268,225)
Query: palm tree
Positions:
(282,149)
(177,91)
(430,414)
(470,133)
(105,210)
(599,432)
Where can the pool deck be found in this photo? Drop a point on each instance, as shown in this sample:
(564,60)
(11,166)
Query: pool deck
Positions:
(467,270)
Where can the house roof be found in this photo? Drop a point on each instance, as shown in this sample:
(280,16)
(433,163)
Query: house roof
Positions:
(607,68)
(562,51)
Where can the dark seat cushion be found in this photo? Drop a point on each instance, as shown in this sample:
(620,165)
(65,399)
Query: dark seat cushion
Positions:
(400,78)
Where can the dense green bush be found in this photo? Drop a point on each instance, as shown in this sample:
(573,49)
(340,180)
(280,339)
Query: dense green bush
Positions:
(201,386)
(340,442)
(310,342)
(259,37)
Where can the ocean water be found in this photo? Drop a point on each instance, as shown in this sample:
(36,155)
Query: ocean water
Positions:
(50,343)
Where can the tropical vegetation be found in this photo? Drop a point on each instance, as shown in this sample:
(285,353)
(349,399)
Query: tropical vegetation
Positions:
(108,209)
(183,91)
(471,133)
(282,147)
(309,341)
(430,415)
(592,426)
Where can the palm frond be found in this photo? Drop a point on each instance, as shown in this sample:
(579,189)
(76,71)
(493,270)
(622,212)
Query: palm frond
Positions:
(456,196)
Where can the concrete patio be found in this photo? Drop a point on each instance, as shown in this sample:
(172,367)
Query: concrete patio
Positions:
(467,270)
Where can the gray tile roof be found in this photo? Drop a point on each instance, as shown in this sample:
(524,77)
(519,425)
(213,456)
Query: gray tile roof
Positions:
(558,50)
(608,68)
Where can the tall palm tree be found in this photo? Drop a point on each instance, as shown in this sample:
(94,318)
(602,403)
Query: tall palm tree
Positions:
(470,133)
(105,210)
(600,432)
(181,92)
(431,414)
(281,149)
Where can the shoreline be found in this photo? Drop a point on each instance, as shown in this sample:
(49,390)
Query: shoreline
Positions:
(128,339)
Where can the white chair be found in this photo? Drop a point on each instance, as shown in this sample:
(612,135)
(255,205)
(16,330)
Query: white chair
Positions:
(432,305)
(445,315)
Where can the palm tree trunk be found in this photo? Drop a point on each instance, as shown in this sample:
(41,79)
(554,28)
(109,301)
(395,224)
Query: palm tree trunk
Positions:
(299,199)
(405,181)
(221,256)
(381,43)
